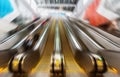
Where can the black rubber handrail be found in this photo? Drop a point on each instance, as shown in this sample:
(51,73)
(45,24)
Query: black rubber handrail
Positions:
(28,27)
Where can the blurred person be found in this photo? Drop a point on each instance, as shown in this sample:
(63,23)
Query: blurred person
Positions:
(102,16)
(110,9)
(92,16)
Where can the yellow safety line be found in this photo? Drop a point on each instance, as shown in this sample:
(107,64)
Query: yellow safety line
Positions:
(2,69)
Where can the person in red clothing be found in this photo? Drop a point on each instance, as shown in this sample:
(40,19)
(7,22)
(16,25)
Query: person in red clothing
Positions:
(91,14)
(95,19)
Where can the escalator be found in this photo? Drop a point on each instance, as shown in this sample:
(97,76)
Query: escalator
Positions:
(81,61)
(72,68)
(19,48)
(64,49)
(15,38)
(44,64)
(105,34)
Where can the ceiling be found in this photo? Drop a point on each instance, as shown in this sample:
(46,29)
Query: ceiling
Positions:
(68,5)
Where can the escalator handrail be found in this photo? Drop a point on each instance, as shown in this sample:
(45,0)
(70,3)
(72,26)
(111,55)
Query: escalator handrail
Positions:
(98,30)
(32,32)
(112,42)
(27,27)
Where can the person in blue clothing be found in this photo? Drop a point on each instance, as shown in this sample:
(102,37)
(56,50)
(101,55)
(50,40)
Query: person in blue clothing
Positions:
(5,8)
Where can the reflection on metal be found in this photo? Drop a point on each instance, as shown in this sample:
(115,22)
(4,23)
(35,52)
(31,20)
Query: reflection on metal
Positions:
(91,44)
(103,38)
(15,63)
(34,55)
(38,27)
(42,37)
(20,62)
(57,58)
(100,63)
(96,63)
(89,61)
(72,37)
(92,41)
(57,40)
